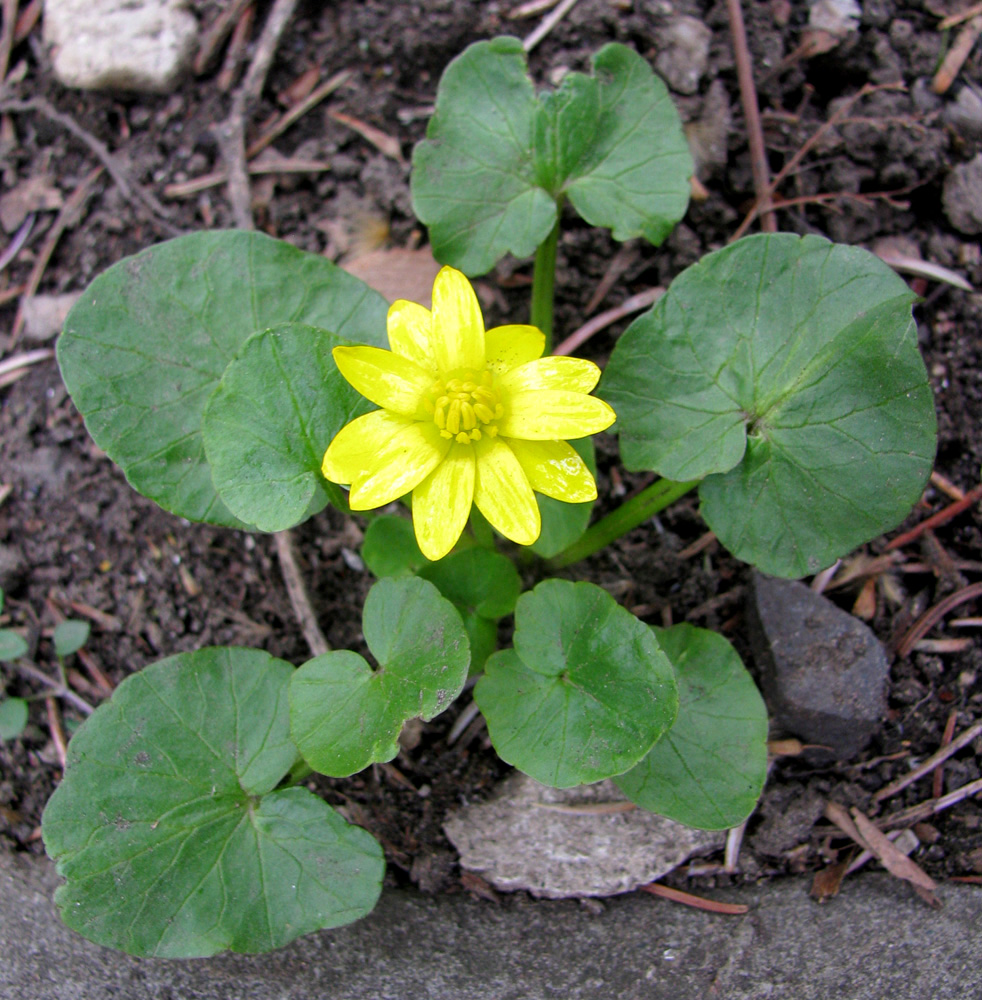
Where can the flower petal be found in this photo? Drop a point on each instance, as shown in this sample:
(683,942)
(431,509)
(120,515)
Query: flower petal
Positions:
(400,465)
(574,374)
(442,502)
(555,469)
(389,380)
(551,414)
(458,327)
(410,328)
(352,454)
(503,494)
(509,346)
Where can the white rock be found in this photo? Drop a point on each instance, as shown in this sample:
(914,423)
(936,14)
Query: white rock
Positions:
(684,53)
(837,17)
(520,840)
(136,45)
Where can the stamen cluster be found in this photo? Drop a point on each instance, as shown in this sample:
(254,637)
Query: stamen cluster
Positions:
(465,407)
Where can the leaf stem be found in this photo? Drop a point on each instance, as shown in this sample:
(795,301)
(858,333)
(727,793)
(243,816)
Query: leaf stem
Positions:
(543,282)
(629,515)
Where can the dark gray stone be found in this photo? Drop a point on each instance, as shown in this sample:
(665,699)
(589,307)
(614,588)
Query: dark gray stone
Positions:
(875,941)
(824,673)
(962,196)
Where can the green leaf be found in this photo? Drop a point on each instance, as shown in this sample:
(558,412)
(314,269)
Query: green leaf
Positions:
(170,829)
(12,645)
(344,715)
(786,371)
(708,770)
(584,694)
(477,580)
(145,347)
(563,523)
(390,548)
(70,636)
(13,717)
(268,423)
(497,162)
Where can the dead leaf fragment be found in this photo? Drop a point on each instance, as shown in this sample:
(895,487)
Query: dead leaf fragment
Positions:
(35,194)
(397,273)
(890,856)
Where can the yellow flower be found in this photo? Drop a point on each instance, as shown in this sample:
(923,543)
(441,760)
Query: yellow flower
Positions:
(467,415)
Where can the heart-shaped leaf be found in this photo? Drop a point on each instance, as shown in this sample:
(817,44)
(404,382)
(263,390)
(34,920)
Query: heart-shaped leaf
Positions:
(148,341)
(266,459)
(70,636)
(708,770)
(584,694)
(12,645)
(390,547)
(497,162)
(171,832)
(344,715)
(786,371)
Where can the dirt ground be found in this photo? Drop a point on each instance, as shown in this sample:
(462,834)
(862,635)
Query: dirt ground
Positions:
(74,537)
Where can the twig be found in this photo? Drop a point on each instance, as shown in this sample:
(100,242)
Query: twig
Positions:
(25,23)
(462,722)
(930,764)
(237,46)
(29,670)
(57,733)
(19,361)
(933,806)
(216,34)
(937,782)
(231,132)
(531,8)
(954,19)
(734,840)
(933,615)
(130,189)
(698,902)
(299,598)
(382,141)
(298,111)
(20,238)
(941,517)
(634,304)
(65,217)
(751,114)
(196,185)
(547,24)
(619,263)
(956,56)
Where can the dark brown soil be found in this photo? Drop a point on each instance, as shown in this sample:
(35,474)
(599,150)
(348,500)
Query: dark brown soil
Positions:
(71,530)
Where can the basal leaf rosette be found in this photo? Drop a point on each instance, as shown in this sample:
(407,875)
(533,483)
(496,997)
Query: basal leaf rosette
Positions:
(468,416)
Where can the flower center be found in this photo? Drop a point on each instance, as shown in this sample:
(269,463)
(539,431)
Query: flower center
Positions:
(465,406)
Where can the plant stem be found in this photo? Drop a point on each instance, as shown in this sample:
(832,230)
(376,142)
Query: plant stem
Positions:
(543,281)
(629,515)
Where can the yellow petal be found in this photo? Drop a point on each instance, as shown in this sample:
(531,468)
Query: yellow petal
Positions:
(400,465)
(573,374)
(458,327)
(508,347)
(555,469)
(389,380)
(352,453)
(552,414)
(442,502)
(410,328)
(503,494)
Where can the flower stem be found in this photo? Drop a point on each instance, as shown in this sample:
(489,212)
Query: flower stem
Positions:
(543,281)
(629,515)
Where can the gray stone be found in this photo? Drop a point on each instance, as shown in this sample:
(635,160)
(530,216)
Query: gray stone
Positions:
(837,17)
(684,53)
(962,196)
(136,45)
(529,836)
(875,941)
(824,673)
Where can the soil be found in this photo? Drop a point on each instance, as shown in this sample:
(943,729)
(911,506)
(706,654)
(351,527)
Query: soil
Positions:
(74,535)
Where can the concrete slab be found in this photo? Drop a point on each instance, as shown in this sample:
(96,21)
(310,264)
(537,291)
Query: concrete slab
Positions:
(876,941)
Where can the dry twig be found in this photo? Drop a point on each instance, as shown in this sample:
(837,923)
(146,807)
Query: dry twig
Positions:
(698,902)
(941,517)
(939,757)
(956,56)
(548,23)
(933,615)
(937,782)
(299,598)
(634,304)
(751,114)
(65,218)
(57,732)
(217,32)
(297,111)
